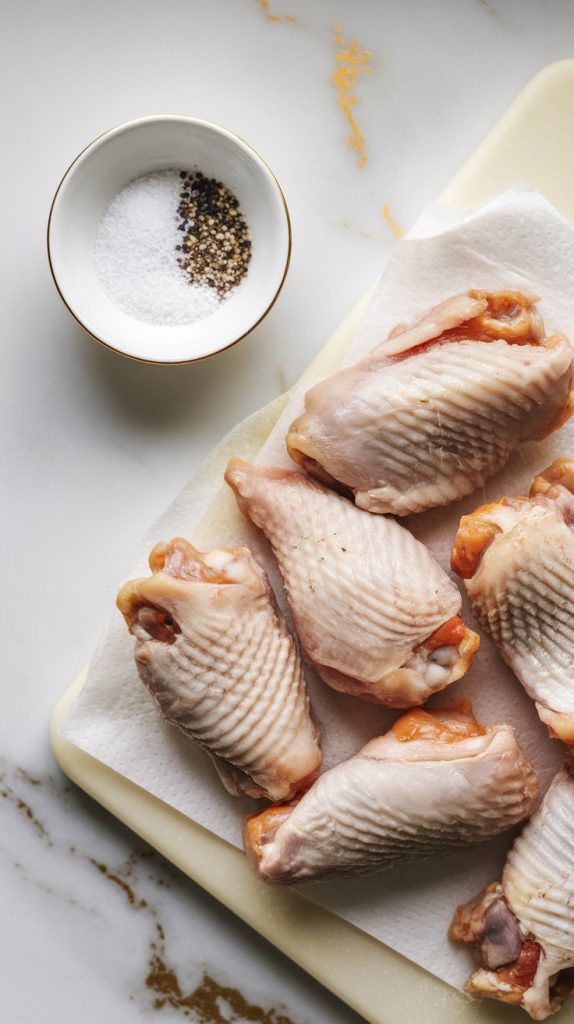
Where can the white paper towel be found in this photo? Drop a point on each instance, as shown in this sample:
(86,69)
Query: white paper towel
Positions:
(516,241)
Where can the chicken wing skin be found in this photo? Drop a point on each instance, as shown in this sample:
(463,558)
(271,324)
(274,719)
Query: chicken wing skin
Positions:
(221,665)
(517,560)
(523,928)
(437,780)
(439,406)
(376,615)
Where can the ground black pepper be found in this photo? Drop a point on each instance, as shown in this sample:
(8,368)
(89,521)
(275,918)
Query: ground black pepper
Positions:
(216,247)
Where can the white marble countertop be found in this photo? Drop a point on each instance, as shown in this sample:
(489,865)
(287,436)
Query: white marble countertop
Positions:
(94,446)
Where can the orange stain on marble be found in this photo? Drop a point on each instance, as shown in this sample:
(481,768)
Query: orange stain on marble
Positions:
(352,62)
(265,6)
(395,228)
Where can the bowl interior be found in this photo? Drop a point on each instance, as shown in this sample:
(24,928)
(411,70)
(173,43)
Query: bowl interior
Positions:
(151,145)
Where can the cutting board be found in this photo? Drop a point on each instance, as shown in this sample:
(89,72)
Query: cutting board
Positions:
(533,141)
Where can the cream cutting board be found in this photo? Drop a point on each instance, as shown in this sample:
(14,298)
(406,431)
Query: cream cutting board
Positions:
(533,141)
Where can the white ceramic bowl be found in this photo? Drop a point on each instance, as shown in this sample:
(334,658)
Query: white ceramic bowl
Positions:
(152,144)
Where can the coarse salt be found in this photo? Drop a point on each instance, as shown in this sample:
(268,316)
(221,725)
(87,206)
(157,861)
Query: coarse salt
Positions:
(136,259)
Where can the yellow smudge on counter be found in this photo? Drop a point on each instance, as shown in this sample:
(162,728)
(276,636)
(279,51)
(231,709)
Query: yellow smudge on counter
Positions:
(265,5)
(386,212)
(356,231)
(352,61)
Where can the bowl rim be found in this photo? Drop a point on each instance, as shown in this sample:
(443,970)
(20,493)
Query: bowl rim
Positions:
(189,120)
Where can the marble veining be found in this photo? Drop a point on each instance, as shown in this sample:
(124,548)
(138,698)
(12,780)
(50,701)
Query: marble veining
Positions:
(105,879)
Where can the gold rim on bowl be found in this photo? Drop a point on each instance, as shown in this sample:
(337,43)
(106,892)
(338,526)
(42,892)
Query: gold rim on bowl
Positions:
(192,120)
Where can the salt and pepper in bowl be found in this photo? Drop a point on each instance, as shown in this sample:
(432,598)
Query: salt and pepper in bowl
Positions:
(169,239)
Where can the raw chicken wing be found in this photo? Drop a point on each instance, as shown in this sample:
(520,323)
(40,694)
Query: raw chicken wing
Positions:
(523,928)
(517,560)
(437,408)
(375,614)
(437,780)
(221,665)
